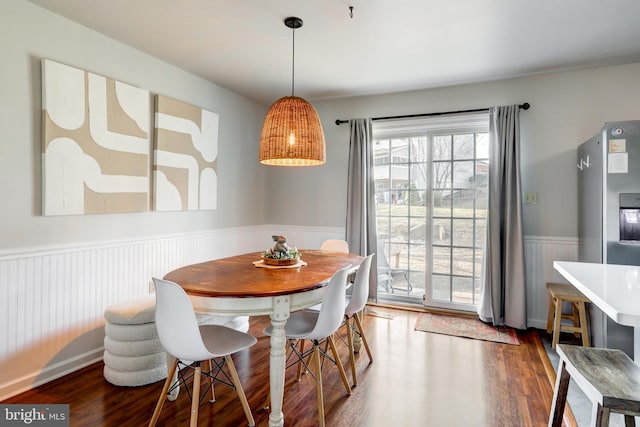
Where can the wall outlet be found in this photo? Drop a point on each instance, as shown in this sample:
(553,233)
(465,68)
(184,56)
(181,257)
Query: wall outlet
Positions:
(530,197)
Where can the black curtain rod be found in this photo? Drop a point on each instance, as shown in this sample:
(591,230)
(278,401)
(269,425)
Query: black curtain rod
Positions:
(524,106)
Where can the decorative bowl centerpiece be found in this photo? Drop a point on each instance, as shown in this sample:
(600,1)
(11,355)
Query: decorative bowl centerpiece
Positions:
(281,254)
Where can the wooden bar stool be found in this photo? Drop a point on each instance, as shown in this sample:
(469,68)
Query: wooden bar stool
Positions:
(560,293)
(609,378)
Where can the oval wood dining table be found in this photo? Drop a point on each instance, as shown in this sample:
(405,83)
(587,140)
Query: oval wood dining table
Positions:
(236,286)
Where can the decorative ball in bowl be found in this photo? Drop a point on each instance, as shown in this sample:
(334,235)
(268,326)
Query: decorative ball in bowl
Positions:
(281,258)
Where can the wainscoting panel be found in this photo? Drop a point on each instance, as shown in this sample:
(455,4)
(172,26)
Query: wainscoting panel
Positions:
(539,253)
(52,299)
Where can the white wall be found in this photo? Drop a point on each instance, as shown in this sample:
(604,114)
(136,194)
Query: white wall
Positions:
(29,33)
(566,109)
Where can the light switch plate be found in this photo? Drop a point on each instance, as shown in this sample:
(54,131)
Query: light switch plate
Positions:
(530,197)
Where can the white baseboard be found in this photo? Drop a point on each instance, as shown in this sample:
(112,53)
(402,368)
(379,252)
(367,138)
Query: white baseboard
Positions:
(48,374)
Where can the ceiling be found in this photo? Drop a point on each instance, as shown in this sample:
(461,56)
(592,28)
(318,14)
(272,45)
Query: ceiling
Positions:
(388,45)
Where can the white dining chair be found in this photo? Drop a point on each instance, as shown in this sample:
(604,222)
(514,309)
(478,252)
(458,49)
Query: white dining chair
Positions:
(354,309)
(335,245)
(319,327)
(185,340)
(355,302)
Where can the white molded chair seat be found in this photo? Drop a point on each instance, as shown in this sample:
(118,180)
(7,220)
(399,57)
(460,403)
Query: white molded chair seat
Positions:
(318,326)
(184,339)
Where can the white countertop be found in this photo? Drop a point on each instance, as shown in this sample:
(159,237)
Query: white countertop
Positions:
(615,289)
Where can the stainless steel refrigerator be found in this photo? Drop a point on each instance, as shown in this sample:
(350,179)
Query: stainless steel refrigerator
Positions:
(609,213)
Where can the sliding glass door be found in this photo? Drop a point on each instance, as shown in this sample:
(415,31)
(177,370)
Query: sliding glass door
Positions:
(431,197)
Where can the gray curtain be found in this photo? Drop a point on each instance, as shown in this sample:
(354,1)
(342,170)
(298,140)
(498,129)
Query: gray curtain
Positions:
(361,214)
(503,292)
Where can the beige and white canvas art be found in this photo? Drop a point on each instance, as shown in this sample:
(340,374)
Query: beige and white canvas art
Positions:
(185,155)
(96,143)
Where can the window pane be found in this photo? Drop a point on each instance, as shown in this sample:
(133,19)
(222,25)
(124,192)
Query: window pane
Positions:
(399,150)
(399,256)
(463,145)
(440,287)
(399,231)
(478,263)
(462,290)
(463,232)
(418,149)
(462,262)
(382,198)
(481,202)
(418,176)
(463,175)
(441,147)
(382,227)
(442,260)
(418,230)
(417,280)
(442,175)
(482,145)
(442,203)
(417,258)
(463,203)
(476,291)
(399,197)
(481,232)
(381,152)
(415,199)
(441,231)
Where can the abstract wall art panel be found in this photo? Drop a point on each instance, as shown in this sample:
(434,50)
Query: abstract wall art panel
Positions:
(185,154)
(96,143)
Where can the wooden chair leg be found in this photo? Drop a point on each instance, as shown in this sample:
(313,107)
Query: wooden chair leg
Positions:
(556,323)
(600,416)
(559,395)
(318,367)
(211,381)
(550,315)
(575,317)
(364,338)
(243,398)
(582,311)
(352,358)
(629,421)
(195,397)
(343,375)
(301,367)
(163,393)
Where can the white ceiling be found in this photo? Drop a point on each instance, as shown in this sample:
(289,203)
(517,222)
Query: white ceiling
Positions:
(388,45)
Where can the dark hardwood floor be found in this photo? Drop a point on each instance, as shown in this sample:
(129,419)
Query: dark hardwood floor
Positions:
(417,378)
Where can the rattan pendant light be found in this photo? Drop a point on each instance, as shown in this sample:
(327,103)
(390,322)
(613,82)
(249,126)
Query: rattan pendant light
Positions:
(292,133)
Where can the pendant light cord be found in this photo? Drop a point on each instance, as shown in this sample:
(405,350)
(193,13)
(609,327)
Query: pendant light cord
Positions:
(293,62)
